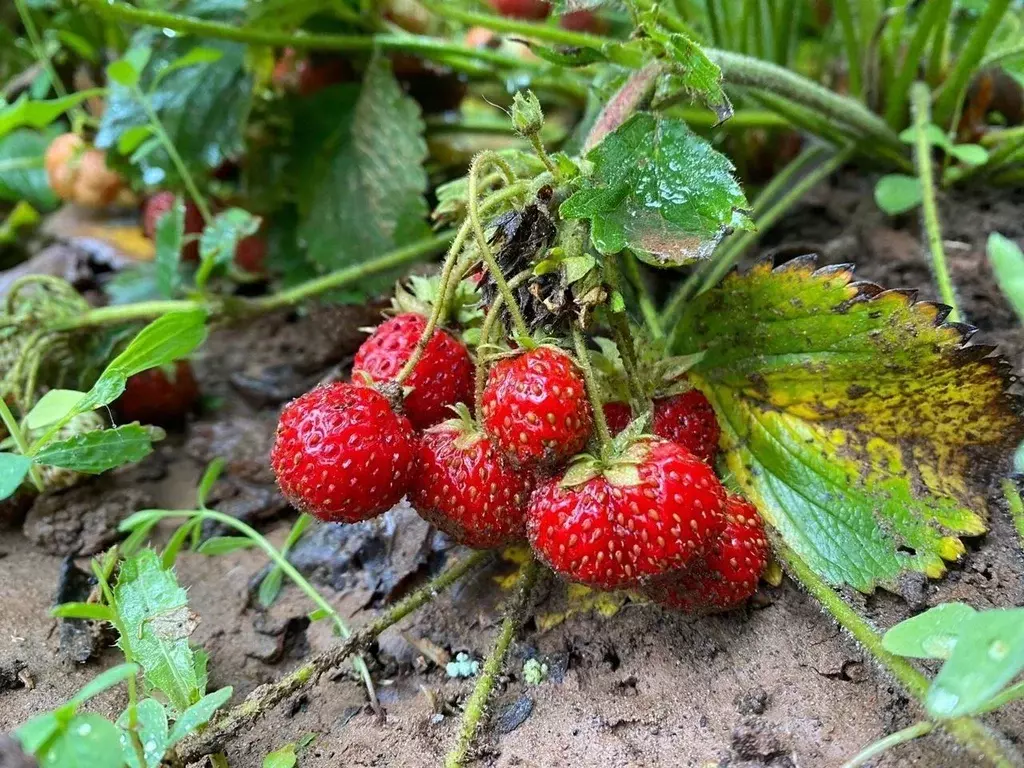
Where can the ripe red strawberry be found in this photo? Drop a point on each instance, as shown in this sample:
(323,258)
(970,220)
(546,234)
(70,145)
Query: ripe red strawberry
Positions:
(618,415)
(535,407)
(729,571)
(159,204)
(464,487)
(161,396)
(522,9)
(442,377)
(650,514)
(688,419)
(581,21)
(251,254)
(342,454)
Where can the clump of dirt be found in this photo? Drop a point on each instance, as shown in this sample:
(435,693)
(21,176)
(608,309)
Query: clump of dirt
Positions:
(82,520)
(776,684)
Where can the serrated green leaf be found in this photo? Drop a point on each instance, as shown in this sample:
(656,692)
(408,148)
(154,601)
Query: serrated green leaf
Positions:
(930,635)
(203,106)
(199,714)
(88,741)
(694,74)
(660,190)
(223,545)
(898,193)
(1007,262)
(104,681)
(988,654)
(52,407)
(861,427)
(152,726)
(157,622)
(169,235)
(101,450)
(576,267)
(22,175)
(26,113)
(360,153)
(13,469)
(90,611)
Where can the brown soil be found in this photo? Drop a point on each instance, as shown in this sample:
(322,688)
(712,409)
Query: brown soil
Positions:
(777,684)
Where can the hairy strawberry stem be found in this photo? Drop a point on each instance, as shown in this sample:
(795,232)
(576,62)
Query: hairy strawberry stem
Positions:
(920,101)
(970,733)
(261,700)
(486,329)
(475,706)
(647,306)
(473,214)
(593,391)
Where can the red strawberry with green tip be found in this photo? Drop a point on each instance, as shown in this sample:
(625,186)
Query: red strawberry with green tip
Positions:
(612,523)
(442,378)
(464,487)
(535,408)
(342,453)
(729,571)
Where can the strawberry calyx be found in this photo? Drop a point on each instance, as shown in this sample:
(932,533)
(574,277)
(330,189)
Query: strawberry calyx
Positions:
(463,422)
(420,294)
(619,460)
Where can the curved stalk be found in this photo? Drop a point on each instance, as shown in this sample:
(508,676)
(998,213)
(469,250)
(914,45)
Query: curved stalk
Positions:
(882,746)
(969,732)
(604,435)
(474,711)
(920,99)
(14,429)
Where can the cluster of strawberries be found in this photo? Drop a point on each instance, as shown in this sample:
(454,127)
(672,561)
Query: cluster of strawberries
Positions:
(647,514)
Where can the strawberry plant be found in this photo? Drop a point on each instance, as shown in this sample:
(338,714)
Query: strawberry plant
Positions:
(590,382)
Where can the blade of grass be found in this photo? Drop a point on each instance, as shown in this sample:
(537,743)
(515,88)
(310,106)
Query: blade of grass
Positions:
(896,102)
(854,65)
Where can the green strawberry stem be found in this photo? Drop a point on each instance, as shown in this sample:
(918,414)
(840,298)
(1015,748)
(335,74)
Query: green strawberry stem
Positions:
(593,390)
(19,440)
(920,102)
(172,153)
(882,746)
(133,721)
(623,338)
(264,698)
(39,51)
(647,306)
(969,732)
(474,711)
(485,335)
(479,162)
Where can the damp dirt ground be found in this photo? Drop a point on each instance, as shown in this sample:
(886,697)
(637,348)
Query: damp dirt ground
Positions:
(775,684)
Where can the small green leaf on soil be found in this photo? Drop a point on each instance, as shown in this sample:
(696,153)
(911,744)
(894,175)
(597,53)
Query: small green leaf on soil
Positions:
(863,428)
(660,190)
(988,655)
(104,681)
(157,622)
(223,545)
(199,714)
(1007,262)
(360,154)
(13,469)
(898,193)
(90,611)
(284,757)
(930,635)
(101,450)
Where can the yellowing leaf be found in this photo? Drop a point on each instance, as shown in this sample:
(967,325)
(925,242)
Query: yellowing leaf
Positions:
(862,427)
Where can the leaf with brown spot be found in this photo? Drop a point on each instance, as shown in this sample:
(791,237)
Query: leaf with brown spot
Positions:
(864,428)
